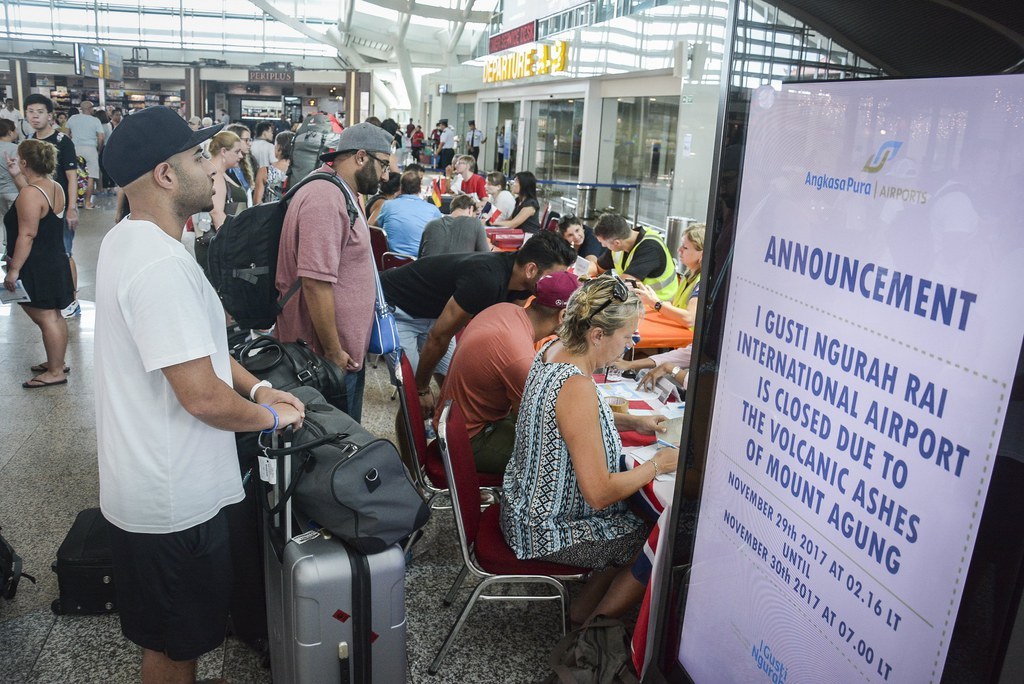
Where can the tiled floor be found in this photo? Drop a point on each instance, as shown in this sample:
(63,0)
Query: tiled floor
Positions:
(48,473)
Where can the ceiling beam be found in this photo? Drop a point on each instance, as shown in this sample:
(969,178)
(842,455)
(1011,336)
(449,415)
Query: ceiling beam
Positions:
(460,26)
(444,13)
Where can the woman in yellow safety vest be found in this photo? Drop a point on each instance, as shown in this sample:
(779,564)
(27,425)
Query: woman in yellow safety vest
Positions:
(683,307)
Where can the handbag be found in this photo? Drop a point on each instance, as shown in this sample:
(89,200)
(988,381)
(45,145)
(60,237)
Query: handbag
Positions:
(384,333)
(348,481)
(287,366)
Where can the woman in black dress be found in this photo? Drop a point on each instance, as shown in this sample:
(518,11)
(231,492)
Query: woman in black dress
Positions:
(526,215)
(35,241)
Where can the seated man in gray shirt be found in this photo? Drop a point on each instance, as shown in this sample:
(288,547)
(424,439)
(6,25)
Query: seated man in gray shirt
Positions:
(459,231)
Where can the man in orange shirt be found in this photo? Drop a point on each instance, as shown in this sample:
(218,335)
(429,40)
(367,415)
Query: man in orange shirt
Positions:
(488,372)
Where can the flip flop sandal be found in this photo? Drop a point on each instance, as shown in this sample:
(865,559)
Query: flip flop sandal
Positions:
(36,384)
(41,368)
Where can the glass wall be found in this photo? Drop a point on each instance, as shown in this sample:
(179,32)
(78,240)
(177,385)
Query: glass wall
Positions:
(558,128)
(644,152)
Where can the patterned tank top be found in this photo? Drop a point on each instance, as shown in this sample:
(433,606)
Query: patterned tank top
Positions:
(543,510)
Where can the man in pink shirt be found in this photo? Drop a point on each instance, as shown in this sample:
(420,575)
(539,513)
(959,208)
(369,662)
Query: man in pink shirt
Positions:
(488,372)
(325,244)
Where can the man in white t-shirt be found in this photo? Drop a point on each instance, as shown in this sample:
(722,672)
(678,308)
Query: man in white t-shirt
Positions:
(11,113)
(87,134)
(263,146)
(168,399)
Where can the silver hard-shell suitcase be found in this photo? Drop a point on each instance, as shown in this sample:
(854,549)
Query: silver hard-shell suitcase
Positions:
(334,614)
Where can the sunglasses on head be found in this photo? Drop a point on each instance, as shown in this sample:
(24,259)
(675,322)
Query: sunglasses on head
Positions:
(620,291)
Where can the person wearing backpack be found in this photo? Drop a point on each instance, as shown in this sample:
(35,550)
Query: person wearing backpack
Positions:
(325,245)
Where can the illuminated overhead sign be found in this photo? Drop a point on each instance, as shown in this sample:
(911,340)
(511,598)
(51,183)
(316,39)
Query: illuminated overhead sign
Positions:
(520,35)
(538,61)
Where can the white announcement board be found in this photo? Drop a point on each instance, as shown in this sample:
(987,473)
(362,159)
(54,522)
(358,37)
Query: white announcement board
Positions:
(875,316)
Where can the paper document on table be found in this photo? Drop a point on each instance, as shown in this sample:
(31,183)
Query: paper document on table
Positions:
(581,267)
(19,296)
(626,390)
(643,454)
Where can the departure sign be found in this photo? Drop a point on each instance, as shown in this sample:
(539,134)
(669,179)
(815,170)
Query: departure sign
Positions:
(541,60)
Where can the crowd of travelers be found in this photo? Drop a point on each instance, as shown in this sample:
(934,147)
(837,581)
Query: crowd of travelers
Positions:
(470,318)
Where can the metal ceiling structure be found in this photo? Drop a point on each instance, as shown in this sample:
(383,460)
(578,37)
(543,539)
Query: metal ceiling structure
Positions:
(916,38)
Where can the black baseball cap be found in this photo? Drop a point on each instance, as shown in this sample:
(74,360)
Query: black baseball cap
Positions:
(147,138)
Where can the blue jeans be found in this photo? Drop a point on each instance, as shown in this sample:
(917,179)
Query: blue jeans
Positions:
(354,385)
(412,334)
(69,238)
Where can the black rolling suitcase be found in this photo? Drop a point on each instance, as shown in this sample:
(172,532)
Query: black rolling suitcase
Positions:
(85,567)
(335,614)
(247,611)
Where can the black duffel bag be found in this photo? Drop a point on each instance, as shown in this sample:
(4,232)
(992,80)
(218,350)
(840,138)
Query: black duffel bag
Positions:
(288,365)
(348,481)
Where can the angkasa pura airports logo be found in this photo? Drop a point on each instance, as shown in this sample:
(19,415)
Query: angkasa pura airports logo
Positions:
(886,152)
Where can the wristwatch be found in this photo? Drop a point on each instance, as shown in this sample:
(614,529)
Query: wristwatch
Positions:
(657,306)
(676,370)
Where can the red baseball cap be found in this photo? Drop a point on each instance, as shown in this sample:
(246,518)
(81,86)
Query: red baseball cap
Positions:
(554,290)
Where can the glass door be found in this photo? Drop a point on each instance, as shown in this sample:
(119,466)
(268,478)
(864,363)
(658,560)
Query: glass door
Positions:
(556,140)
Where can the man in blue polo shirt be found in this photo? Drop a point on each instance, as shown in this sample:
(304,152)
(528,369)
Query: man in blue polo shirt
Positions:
(405,217)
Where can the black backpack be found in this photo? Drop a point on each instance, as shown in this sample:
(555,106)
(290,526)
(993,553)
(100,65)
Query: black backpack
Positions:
(242,259)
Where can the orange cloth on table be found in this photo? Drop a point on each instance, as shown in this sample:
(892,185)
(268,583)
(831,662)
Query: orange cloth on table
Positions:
(657,331)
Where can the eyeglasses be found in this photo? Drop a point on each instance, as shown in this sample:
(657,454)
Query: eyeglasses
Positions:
(620,291)
(386,165)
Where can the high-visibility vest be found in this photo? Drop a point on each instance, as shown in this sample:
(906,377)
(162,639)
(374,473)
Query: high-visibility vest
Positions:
(664,284)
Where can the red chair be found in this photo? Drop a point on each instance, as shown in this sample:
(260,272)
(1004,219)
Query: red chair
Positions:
(390,260)
(485,552)
(379,245)
(430,475)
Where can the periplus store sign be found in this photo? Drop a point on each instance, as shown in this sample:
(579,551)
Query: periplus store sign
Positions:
(538,61)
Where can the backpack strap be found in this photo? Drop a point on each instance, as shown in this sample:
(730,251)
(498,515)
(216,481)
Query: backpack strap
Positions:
(353,216)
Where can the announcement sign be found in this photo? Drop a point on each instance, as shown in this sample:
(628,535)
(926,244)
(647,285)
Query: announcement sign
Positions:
(873,328)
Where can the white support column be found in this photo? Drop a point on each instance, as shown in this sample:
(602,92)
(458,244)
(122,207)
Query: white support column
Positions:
(590,137)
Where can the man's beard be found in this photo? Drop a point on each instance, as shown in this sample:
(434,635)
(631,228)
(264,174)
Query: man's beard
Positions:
(194,196)
(367,180)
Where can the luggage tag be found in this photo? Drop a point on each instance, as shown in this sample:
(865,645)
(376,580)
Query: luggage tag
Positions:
(267,465)
(268,469)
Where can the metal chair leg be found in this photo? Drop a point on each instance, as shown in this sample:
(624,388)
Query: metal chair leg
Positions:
(450,596)
(457,627)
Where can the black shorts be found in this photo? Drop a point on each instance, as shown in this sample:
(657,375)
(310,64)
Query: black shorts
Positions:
(173,589)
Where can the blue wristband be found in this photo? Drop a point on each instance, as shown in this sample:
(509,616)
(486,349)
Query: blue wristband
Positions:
(277,421)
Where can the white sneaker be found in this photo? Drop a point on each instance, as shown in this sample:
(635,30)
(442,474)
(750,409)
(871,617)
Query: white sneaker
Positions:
(73,309)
